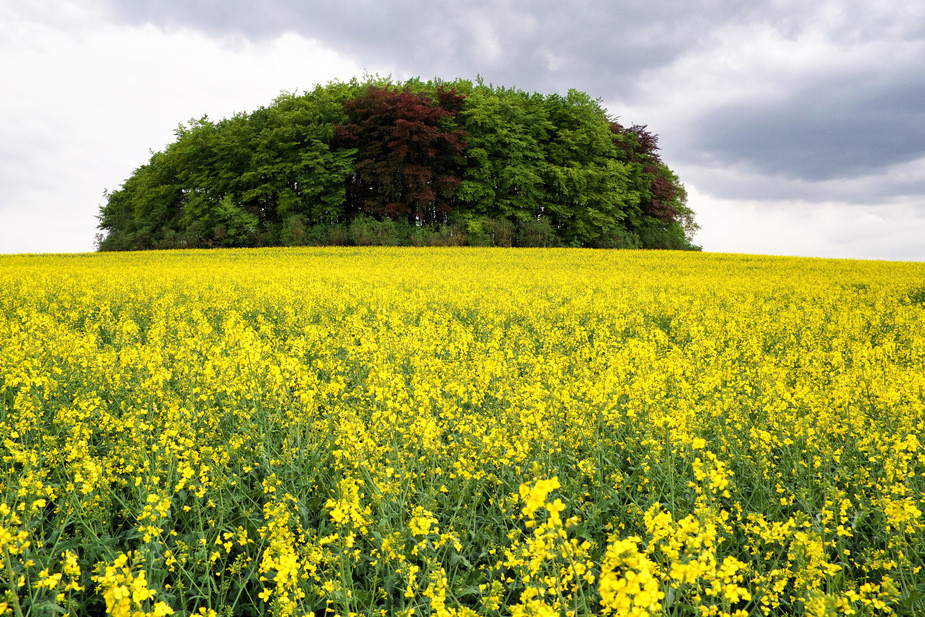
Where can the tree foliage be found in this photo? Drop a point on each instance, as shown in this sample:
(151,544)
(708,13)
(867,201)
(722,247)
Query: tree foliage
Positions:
(377,162)
(407,156)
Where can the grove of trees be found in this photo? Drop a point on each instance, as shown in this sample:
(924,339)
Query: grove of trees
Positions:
(413,163)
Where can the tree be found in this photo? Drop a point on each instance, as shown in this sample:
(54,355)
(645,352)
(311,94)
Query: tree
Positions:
(505,158)
(586,181)
(137,216)
(407,154)
(294,168)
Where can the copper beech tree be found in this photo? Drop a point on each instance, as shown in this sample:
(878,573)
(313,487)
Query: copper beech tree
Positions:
(408,158)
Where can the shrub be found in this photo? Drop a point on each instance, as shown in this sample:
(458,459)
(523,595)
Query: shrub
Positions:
(294,231)
(617,239)
(499,231)
(368,231)
(538,233)
(661,237)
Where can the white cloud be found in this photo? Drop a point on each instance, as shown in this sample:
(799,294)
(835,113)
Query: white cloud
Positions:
(83,101)
(809,229)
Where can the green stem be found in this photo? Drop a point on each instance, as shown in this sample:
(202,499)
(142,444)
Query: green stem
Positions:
(9,568)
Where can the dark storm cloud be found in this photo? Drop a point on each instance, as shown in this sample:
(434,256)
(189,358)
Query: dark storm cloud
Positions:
(544,44)
(856,109)
(823,132)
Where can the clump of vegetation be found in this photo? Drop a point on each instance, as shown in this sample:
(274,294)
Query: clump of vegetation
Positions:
(433,163)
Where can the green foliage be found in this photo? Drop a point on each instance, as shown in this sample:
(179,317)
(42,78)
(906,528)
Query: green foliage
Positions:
(499,231)
(367,231)
(618,239)
(914,297)
(419,163)
(538,233)
(506,131)
(659,237)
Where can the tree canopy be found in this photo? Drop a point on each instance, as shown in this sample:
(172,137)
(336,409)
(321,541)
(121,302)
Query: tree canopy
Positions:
(377,162)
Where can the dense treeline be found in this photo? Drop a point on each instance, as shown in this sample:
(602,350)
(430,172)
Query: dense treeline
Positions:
(419,163)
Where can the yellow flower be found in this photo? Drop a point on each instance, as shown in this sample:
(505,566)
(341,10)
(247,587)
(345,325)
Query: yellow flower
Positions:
(534,497)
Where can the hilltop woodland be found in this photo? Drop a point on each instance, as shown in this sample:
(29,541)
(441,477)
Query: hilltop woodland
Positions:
(412,163)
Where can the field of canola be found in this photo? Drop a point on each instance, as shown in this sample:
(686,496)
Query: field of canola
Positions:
(461,432)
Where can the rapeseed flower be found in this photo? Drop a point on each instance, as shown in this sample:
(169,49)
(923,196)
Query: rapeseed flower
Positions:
(428,431)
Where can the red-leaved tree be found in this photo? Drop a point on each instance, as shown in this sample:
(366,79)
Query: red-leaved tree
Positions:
(641,147)
(408,154)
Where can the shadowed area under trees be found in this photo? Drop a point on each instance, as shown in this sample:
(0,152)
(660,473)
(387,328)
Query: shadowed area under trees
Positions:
(414,163)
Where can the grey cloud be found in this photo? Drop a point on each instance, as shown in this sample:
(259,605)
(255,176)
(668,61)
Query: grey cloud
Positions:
(541,45)
(738,183)
(821,132)
(591,45)
(842,121)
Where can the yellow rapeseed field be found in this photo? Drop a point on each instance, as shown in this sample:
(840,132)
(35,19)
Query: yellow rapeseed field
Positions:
(400,431)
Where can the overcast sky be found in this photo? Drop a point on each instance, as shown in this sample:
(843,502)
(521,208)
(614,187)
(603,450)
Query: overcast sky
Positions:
(798,127)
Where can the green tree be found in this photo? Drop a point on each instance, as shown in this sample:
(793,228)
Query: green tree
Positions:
(505,158)
(294,170)
(138,215)
(586,183)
